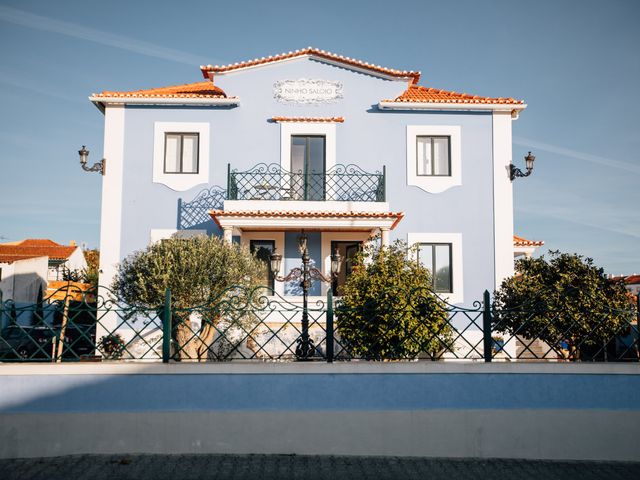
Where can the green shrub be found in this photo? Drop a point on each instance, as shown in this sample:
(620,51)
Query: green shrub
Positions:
(388,309)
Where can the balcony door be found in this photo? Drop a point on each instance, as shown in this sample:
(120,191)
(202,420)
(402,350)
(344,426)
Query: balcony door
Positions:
(308,161)
(348,251)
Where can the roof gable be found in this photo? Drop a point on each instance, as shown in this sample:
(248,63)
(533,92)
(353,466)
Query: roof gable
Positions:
(209,71)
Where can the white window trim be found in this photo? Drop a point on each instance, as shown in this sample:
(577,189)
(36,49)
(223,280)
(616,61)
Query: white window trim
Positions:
(158,234)
(180,181)
(245,241)
(287,129)
(455,239)
(434,184)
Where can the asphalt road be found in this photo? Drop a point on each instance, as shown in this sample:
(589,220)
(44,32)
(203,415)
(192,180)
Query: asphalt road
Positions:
(268,467)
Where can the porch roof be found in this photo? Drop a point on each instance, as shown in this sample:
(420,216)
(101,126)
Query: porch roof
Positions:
(293,219)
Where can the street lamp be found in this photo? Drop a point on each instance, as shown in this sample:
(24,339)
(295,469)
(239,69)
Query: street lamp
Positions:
(305,348)
(516,172)
(101,166)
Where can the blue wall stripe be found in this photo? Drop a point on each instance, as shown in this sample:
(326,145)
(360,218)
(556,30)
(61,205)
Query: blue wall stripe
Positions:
(132,393)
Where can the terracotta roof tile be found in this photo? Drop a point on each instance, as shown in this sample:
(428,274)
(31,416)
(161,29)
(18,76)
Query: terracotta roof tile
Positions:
(311,52)
(304,214)
(37,242)
(523,242)
(38,248)
(10,258)
(308,119)
(418,93)
(190,90)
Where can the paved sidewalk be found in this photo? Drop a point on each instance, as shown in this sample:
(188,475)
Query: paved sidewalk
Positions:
(272,467)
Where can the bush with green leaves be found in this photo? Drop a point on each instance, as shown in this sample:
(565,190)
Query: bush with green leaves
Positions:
(564,301)
(201,272)
(388,310)
(113,346)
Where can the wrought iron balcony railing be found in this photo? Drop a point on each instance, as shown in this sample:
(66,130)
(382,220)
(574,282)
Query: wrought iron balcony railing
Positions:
(340,183)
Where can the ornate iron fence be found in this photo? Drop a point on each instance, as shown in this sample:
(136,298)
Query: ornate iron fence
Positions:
(272,182)
(258,325)
(76,325)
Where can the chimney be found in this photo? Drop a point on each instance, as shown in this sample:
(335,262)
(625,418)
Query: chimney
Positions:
(72,243)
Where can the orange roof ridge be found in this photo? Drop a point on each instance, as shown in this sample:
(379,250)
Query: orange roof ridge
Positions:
(310,51)
(421,94)
(523,242)
(205,89)
(309,119)
(38,242)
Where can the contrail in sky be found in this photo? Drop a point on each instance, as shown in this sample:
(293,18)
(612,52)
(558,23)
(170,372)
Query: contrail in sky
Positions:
(46,24)
(563,217)
(607,162)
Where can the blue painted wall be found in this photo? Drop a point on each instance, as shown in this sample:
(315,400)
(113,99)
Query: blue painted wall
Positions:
(243,136)
(313,392)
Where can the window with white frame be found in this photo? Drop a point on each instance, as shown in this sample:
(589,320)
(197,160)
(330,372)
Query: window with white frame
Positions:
(433,155)
(434,161)
(441,253)
(181,154)
(437,258)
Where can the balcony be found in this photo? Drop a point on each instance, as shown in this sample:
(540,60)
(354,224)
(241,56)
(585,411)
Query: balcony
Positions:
(345,183)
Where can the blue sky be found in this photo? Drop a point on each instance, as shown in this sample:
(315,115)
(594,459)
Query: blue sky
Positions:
(575,63)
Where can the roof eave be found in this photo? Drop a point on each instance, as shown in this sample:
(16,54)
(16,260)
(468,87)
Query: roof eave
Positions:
(101,102)
(494,107)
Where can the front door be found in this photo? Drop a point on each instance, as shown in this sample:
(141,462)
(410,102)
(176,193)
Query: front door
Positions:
(347,251)
(308,167)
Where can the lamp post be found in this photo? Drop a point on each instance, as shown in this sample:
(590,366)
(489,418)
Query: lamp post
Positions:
(101,166)
(305,348)
(516,172)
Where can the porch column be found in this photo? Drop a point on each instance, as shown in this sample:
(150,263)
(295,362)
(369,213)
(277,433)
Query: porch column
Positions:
(384,234)
(228,234)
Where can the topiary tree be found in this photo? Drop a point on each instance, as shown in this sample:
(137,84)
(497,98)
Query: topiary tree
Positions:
(200,273)
(563,301)
(388,308)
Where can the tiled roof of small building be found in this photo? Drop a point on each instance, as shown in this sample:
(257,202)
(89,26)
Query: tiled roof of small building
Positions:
(308,119)
(204,89)
(304,214)
(310,52)
(418,93)
(523,242)
(38,248)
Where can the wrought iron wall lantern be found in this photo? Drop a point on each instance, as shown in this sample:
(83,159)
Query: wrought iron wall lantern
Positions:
(516,172)
(101,166)
(305,347)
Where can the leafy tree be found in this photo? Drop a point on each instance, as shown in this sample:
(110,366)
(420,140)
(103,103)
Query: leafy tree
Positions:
(388,308)
(200,273)
(89,274)
(563,300)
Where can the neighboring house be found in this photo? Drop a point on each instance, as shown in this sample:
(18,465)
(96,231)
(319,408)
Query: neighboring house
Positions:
(631,282)
(343,149)
(525,248)
(22,276)
(60,257)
